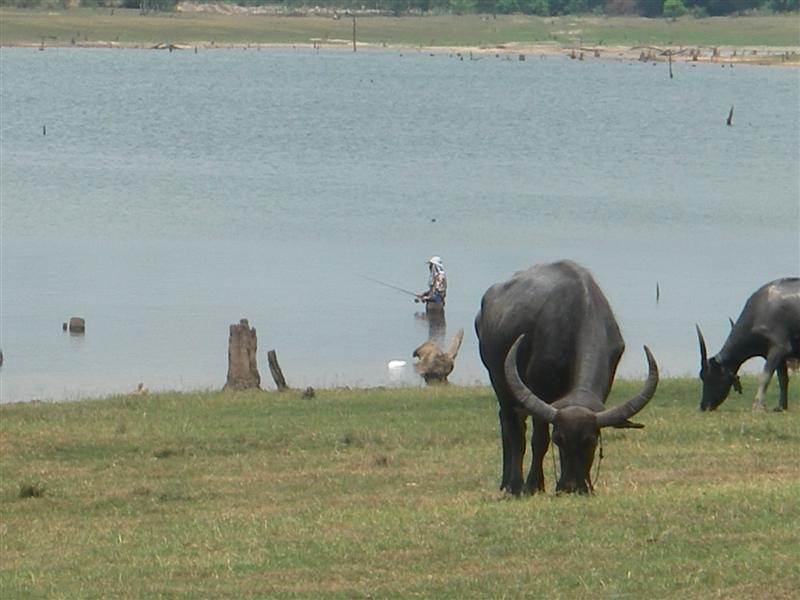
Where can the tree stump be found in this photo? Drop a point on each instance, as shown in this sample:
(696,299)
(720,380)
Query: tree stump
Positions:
(275,370)
(76,325)
(435,365)
(242,366)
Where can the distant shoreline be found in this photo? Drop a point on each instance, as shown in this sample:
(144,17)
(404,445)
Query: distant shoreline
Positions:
(768,39)
(754,55)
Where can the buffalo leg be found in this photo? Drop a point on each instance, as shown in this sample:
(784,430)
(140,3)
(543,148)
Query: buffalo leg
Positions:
(513,432)
(504,438)
(540,441)
(775,358)
(783,383)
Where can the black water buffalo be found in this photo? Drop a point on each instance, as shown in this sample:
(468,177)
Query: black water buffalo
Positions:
(553,325)
(769,326)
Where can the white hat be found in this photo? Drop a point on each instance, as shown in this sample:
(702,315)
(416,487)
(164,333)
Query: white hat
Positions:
(435,261)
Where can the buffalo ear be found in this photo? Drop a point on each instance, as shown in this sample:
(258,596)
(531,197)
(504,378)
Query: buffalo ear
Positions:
(737,385)
(628,424)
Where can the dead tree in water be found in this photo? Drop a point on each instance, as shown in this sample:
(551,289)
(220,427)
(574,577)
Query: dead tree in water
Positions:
(435,365)
(242,366)
(76,325)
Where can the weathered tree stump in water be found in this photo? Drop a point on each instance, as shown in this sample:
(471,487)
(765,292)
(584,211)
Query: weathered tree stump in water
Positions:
(242,366)
(435,365)
(76,325)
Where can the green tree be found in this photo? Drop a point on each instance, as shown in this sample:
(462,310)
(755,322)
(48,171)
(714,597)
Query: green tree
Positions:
(674,8)
(540,7)
(440,5)
(576,7)
(651,8)
(784,5)
(717,8)
(398,7)
(504,7)
(462,7)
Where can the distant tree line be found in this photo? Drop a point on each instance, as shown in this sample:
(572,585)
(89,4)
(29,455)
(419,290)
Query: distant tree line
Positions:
(142,5)
(646,8)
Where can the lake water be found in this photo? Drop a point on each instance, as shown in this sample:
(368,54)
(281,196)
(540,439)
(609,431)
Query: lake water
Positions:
(175,193)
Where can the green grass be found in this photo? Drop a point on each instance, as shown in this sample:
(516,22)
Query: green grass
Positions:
(388,494)
(129,27)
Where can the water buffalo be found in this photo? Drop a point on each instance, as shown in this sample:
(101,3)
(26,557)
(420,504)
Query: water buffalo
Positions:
(769,326)
(551,345)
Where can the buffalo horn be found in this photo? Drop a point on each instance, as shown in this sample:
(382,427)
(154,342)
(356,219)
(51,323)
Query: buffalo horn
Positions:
(703,352)
(532,403)
(619,414)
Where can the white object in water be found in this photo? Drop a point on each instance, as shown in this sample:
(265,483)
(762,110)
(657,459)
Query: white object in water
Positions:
(396,364)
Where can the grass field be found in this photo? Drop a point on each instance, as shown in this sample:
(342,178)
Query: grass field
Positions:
(128,27)
(388,494)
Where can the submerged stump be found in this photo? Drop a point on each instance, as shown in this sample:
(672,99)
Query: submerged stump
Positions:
(75,325)
(242,367)
(434,364)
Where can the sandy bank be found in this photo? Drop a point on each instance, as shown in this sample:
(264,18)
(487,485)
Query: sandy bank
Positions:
(761,55)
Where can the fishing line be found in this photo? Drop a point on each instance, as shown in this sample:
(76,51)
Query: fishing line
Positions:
(389,285)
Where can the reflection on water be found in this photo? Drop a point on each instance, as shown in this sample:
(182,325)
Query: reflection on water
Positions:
(175,194)
(437,325)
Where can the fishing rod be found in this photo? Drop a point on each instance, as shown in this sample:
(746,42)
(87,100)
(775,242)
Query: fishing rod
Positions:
(389,285)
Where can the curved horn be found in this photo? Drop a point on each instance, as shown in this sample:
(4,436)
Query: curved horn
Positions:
(703,352)
(536,406)
(733,325)
(620,414)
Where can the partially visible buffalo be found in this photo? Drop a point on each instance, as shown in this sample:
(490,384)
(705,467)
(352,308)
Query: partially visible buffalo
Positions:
(769,326)
(551,345)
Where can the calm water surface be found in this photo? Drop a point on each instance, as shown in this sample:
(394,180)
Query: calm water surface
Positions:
(174,194)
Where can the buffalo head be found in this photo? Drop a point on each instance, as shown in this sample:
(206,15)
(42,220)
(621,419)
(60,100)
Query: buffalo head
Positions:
(717,378)
(578,420)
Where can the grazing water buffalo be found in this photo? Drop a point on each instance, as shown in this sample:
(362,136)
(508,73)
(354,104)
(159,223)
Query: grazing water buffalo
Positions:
(551,345)
(769,326)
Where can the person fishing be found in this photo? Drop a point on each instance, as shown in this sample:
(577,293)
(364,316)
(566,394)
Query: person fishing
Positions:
(437,283)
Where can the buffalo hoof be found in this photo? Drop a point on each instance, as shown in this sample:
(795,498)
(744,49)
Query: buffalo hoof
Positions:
(513,490)
(779,409)
(577,492)
(531,489)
